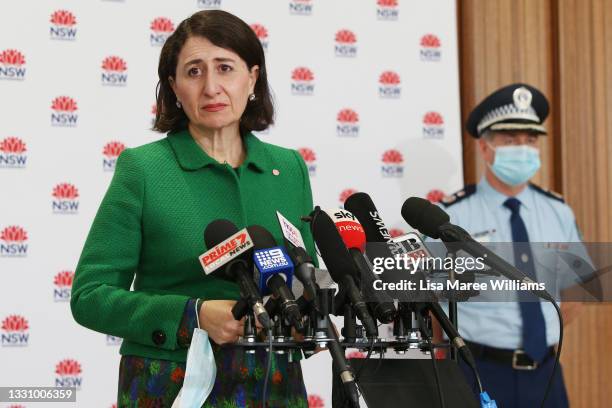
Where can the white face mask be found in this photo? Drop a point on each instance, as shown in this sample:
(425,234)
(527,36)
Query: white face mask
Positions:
(200,372)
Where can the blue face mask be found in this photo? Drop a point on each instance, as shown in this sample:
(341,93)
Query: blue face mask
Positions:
(200,372)
(515,165)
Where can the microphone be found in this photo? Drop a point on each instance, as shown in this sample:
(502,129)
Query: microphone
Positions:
(366,212)
(340,266)
(304,269)
(354,238)
(229,258)
(434,222)
(275,274)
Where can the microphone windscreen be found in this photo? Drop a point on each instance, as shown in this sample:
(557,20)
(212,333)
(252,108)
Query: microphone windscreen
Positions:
(362,206)
(262,238)
(218,231)
(332,249)
(424,216)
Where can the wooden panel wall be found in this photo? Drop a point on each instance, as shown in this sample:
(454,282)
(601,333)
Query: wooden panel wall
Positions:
(584,77)
(563,47)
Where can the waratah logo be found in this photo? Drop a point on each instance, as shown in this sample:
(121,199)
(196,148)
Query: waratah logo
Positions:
(346,44)
(63,112)
(430,48)
(63,25)
(387,10)
(389,85)
(300,7)
(13,153)
(12,65)
(347,123)
(114,71)
(62,286)
(396,232)
(14,242)
(68,374)
(435,196)
(65,197)
(392,164)
(111,152)
(15,331)
(262,33)
(315,401)
(302,83)
(209,4)
(310,158)
(346,193)
(161,28)
(355,354)
(433,126)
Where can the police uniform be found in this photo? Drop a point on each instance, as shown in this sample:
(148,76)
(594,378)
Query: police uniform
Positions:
(494,330)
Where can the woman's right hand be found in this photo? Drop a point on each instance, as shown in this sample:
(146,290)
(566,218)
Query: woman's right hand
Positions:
(217,319)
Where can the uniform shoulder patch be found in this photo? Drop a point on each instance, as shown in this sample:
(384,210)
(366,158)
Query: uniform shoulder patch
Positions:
(548,193)
(467,191)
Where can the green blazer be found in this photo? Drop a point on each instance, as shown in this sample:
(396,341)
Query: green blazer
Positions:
(149,230)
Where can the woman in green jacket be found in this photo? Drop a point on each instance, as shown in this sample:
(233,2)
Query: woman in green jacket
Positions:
(212,93)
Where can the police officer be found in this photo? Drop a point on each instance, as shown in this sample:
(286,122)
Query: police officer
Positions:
(513,342)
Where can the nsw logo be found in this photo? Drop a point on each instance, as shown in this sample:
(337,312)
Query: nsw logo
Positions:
(12,65)
(300,7)
(114,71)
(347,123)
(62,286)
(65,199)
(68,374)
(302,81)
(15,331)
(346,193)
(315,401)
(111,152)
(262,33)
(310,158)
(63,26)
(161,28)
(435,195)
(13,153)
(433,126)
(389,85)
(387,10)
(14,242)
(346,44)
(396,232)
(430,48)
(63,112)
(209,4)
(392,164)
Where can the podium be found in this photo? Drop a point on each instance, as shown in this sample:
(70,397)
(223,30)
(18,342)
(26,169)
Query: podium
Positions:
(402,383)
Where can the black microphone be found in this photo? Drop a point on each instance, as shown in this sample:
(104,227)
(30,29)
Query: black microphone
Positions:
(340,266)
(274,280)
(304,270)
(432,221)
(237,269)
(362,207)
(354,238)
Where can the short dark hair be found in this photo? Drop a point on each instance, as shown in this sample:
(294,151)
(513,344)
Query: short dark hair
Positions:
(227,31)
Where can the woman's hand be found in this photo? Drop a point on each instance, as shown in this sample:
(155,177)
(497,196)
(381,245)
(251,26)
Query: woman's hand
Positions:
(217,319)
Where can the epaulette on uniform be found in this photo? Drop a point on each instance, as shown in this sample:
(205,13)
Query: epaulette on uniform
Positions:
(548,193)
(467,191)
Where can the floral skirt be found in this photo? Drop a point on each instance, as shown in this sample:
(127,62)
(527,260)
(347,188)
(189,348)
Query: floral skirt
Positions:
(152,383)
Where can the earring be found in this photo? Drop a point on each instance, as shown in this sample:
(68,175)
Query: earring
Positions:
(178,104)
(252,97)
